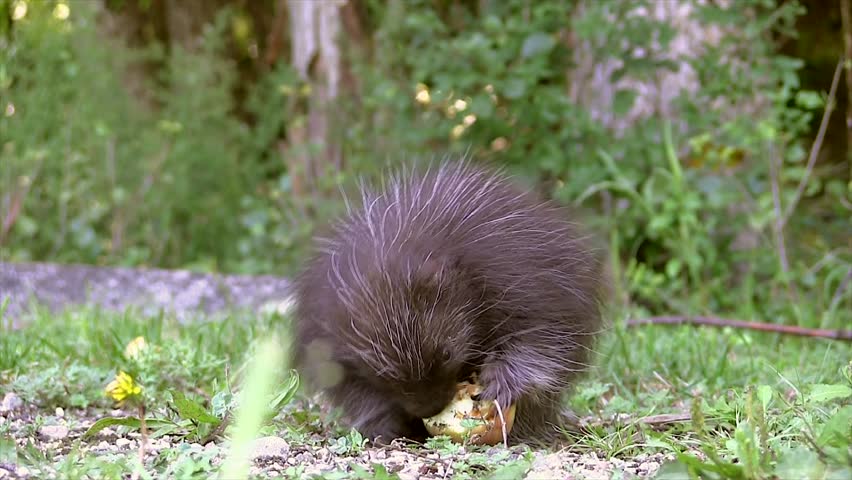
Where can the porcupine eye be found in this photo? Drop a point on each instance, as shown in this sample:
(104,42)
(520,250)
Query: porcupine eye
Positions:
(446,355)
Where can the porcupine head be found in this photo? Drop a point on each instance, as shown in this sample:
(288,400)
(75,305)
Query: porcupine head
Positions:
(410,329)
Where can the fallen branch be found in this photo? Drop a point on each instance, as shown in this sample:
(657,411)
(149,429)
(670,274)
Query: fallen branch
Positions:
(742,324)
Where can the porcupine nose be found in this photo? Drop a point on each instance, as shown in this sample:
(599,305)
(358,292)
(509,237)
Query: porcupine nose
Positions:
(429,404)
(427,409)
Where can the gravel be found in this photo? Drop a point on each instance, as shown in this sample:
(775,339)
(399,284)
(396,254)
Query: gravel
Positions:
(274,456)
(10,403)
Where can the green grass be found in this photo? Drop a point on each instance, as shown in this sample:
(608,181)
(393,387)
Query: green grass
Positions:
(757,401)
(762,405)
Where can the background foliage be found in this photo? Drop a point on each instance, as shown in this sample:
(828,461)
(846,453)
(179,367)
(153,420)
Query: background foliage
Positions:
(129,150)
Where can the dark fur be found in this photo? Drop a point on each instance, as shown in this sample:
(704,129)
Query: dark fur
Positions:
(443,273)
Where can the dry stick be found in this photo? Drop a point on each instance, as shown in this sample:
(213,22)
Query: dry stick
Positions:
(743,324)
(143,440)
(817,145)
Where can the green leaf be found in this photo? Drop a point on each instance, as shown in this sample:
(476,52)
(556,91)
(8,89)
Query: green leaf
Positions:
(221,403)
(825,393)
(8,450)
(809,99)
(110,422)
(764,393)
(511,471)
(673,267)
(623,101)
(838,429)
(482,107)
(190,410)
(696,465)
(514,88)
(659,443)
(537,43)
(672,471)
(799,463)
(289,389)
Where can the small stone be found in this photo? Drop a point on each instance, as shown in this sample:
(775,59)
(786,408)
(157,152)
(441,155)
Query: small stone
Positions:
(53,432)
(270,446)
(103,445)
(11,402)
(304,457)
(122,442)
(157,444)
(4,473)
(60,412)
(396,455)
(547,466)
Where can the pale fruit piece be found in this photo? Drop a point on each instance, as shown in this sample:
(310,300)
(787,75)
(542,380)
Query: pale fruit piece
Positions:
(487,427)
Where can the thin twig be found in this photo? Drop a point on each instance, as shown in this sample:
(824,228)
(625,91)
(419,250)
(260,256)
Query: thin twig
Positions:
(847,43)
(817,145)
(16,206)
(778,226)
(838,294)
(743,324)
(143,439)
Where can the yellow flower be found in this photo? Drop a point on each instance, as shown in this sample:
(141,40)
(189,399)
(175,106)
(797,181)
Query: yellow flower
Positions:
(135,347)
(123,387)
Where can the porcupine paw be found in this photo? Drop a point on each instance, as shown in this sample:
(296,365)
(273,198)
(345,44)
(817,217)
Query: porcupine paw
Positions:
(384,431)
(498,384)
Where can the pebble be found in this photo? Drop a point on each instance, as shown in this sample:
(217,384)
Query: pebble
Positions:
(546,467)
(60,412)
(304,457)
(4,473)
(270,446)
(648,467)
(157,444)
(122,442)
(11,402)
(323,454)
(53,432)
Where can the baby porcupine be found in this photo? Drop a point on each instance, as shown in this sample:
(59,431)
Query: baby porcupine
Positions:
(448,272)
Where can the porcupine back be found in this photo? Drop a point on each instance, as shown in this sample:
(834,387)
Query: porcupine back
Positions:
(521,274)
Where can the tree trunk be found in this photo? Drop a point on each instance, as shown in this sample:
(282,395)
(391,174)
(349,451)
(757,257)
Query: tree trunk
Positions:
(316,56)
